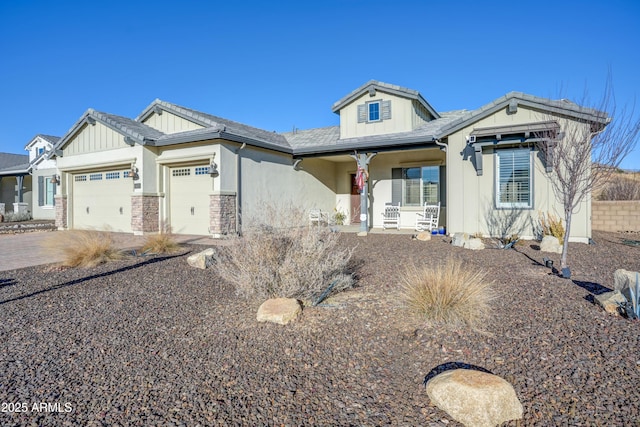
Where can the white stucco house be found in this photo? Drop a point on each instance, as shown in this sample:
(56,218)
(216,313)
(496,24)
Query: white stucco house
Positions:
(206,175)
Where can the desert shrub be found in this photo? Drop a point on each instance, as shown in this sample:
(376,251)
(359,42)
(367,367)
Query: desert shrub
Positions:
(448,295)
(621,188)
(551,225)
(17,216)
(83,248)
(162,243)
(285,258)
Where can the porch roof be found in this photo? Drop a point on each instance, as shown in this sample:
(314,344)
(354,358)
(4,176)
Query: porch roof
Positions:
(327,140)
(13,164)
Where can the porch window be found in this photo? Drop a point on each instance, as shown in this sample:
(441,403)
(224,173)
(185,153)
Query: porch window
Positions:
(513,178)
(416,186)
(46,191)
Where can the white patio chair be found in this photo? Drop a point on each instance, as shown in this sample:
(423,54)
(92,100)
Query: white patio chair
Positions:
(429,218)
(391,216)
(317,217)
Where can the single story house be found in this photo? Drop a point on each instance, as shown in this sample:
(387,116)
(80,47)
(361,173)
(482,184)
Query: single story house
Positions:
(206,175)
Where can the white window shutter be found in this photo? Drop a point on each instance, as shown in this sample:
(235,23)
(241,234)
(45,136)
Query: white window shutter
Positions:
(386,110)
(362,113)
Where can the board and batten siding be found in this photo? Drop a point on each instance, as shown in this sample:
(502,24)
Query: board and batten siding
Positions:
(402,117)
(92,138)
(170,123)
(471,198)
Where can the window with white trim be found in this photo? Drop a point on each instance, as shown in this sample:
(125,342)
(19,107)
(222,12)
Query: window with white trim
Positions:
(46,191)
(374,111)
(513,178)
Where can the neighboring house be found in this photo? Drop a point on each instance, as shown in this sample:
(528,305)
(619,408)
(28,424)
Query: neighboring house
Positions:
(44,175)
(207,175)
(15,183)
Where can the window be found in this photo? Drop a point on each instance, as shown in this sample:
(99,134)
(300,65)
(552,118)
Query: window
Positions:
(40,150)
(112,175)
(202,170)
(418,185)
(181,172)
(513,178)
(374,111)
(95,177)
(46,191)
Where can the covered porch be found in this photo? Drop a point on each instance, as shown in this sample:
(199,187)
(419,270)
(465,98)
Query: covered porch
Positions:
(365,182)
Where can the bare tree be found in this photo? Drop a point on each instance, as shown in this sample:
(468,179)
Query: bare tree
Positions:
(585,151)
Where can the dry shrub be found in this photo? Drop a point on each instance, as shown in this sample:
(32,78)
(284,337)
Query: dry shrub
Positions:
(285,259)
(621,188)
(83,248)
(448,295)
(162,243)
(551,225)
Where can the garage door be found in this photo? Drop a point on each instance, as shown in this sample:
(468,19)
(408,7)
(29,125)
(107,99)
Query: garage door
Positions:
(102,201)
(189,188)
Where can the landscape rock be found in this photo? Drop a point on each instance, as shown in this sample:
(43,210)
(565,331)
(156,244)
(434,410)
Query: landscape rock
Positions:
(202,260)
(551,244)
(474,398)
(460,239)
(623,280)
(474,244)
(424,236)
(279,310)
(610,301)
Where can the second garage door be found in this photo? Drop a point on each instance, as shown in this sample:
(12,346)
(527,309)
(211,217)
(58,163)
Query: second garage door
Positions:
(190,187)
(102,201)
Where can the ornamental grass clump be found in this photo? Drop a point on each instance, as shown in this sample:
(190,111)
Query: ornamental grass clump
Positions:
(162,243)
(551,225)
(286,259)
(83,248)
(448,295)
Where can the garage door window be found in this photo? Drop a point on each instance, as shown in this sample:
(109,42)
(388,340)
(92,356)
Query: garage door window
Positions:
(181,172)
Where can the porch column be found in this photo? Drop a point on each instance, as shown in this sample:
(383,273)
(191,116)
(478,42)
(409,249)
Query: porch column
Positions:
(20,180)
(362,161)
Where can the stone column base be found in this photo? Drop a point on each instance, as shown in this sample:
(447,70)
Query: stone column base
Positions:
(222,214)
(61,211)
(145,214)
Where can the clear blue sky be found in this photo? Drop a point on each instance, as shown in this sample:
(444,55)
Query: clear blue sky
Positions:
(280,64)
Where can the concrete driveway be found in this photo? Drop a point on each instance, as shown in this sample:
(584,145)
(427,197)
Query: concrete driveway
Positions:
(27,249)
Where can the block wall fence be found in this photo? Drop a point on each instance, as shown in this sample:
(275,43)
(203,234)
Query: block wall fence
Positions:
(616,216)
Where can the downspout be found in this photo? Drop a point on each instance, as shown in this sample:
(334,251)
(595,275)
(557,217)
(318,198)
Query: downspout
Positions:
(238,189)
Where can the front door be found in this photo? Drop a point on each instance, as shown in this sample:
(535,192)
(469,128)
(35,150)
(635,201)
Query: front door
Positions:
(355,201)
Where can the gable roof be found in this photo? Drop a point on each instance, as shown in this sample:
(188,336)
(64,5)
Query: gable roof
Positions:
(559,107)
(48,138)
(214,127)
(373,86)
(139,132)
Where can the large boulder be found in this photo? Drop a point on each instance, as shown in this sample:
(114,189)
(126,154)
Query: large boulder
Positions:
(474,398)
(279,310)
(551,244)
(610,301)
(623,280)
(460,239)
(424,236)
(202,260)
(474,244)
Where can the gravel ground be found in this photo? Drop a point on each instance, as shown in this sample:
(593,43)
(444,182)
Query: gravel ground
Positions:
(146,342)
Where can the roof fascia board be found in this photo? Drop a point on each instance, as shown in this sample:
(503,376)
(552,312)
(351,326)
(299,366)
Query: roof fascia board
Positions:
(503,102)
(218,134)
(408,143)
